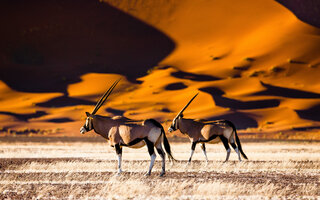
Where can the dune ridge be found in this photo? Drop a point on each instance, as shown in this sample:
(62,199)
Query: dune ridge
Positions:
(253,62)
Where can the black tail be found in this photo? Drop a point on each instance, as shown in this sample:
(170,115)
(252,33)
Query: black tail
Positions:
(237,138)
(165,140)
(167,145)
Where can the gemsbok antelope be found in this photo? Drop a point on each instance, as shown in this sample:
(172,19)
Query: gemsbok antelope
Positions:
(201,131)
(123,132)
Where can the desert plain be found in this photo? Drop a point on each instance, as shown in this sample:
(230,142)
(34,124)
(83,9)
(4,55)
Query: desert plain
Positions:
(87,170)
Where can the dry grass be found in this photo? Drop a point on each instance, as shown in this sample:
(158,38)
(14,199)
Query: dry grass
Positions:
(87,171)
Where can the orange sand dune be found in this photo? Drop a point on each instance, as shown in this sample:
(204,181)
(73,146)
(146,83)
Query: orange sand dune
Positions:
(253,62)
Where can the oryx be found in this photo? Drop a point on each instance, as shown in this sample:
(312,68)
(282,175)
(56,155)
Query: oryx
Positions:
(121,131)
(201,131)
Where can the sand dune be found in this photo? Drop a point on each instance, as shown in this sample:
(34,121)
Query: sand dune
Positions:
(253,62)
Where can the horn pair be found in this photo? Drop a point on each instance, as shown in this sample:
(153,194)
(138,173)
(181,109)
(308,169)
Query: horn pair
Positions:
(104,97)
(186,106)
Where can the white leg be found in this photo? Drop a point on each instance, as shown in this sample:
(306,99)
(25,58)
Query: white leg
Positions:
(193,147)
(237,150)
(228,155)
(204,152)
(163,157)
(189,161)
(119,164)
(153,158)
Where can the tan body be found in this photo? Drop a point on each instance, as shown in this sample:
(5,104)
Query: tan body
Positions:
(202,131)
(121,131)
(208,132)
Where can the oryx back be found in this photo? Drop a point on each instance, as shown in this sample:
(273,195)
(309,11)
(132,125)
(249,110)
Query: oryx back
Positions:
(217,128)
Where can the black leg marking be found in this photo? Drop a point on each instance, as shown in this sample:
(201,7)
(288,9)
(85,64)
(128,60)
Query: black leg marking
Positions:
(119,153)
(226,145)
(234,146)
(150,146)
(203,147)
(118,149)
(193,146)
(163,156)
(225,142)
(161,153)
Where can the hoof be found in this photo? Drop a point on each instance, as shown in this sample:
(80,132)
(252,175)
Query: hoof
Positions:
(147,174)
(118,174)
(162,174)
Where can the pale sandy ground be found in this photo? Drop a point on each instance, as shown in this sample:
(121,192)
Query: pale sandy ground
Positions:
(79,170)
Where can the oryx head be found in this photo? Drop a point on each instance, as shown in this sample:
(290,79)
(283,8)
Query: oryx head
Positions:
(88,126)
(174,125)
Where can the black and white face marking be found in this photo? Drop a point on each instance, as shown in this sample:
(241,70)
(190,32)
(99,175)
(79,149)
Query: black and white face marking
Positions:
(87,126)
(173,126)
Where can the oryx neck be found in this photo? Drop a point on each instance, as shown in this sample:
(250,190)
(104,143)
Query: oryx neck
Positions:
(102,125)
(181,125)
(187,126)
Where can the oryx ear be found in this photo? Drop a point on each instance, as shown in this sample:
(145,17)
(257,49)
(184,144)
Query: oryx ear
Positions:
(88,114)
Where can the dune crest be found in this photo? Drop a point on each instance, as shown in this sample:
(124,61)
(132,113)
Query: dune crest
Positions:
(254,62)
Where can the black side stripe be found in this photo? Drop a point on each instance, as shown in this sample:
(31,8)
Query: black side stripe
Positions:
(133,142)
(210,138)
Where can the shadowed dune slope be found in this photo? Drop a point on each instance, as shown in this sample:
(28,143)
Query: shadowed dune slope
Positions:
(47,45)
(253,62)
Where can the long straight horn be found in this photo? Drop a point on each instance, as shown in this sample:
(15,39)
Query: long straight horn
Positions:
(104,97)
(186,106)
